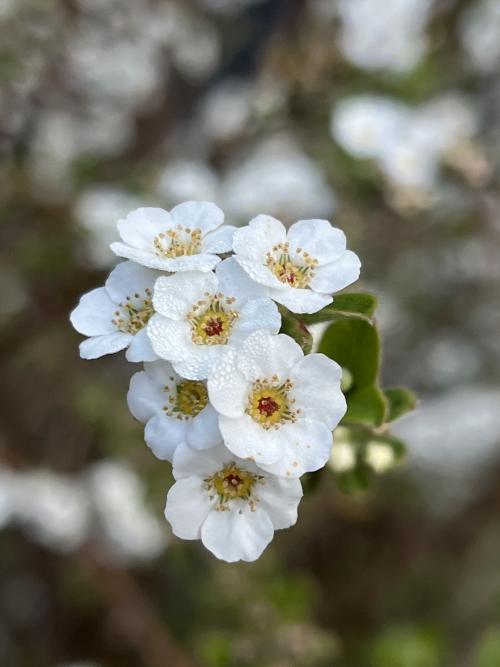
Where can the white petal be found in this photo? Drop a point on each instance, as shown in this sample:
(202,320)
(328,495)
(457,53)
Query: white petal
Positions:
(256,240)
(93,315)
(174,296)
(201,215)
(334,277)
(202,262)
(203,431)
(219,241)
(189,461)
(234,281)
(305,447)
(248,440)
(300,300)
(127,279)
(187,508)
(200,361)
(171,340)
(144,398)
(256,314)
(232,536)
(161,373)
(227,387)
(140,348)
(280,498)
(98,346)
(316,390)
(258,272)
(140,227)
(164,434)
(263,355)
(322,241)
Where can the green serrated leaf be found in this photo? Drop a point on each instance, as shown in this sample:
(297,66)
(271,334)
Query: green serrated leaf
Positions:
(366,405)
(355,345)
(298,331)
(400,401)
(359,305)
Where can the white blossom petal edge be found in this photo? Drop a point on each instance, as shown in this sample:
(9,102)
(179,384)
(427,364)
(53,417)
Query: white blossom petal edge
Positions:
(188,238)
(301,268)
(200,316)
(231,505)
(174,410)
(278,407)
(115,316)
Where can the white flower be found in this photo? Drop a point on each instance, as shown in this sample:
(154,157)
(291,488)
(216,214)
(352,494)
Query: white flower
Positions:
(189,238)
(200,316)
(379,456)
(231,505)
(115,316)
(174,410)
(301,268)
(278,407)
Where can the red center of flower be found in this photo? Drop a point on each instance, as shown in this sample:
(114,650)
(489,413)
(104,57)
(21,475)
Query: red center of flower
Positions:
(233,480)
(290,277)
(267,406)
(214,327)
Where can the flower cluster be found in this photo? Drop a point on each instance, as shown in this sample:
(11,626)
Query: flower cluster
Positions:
(236,406)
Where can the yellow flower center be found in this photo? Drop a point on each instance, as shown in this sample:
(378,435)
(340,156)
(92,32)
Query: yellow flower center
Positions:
(178,242)
(212,320)
(134,316)
(231,483)
(295,273)
(190,399)
(269,403)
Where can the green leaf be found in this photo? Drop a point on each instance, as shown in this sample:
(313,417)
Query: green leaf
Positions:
(488,649)
(366,405)
(400,401)
(355,345)
(355,481)
(359,305)
(298,331)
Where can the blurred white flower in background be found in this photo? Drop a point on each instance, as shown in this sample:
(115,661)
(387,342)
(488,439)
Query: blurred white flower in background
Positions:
(187,180)
(62,512)
(97,210)
(227,109)
(62,136)
(52,508)
(121,70)
(279,178)
(479,30)
(453,439)
(407,143)
(128,529)
(384,36)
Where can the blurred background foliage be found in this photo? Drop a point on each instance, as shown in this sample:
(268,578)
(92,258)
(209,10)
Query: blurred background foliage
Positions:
(383,117)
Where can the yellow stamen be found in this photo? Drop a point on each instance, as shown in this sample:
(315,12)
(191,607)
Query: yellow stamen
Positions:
(191,399)
(269,403)
(231,483)
(178,242)
(134,316)
(212,320)
(296,272)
